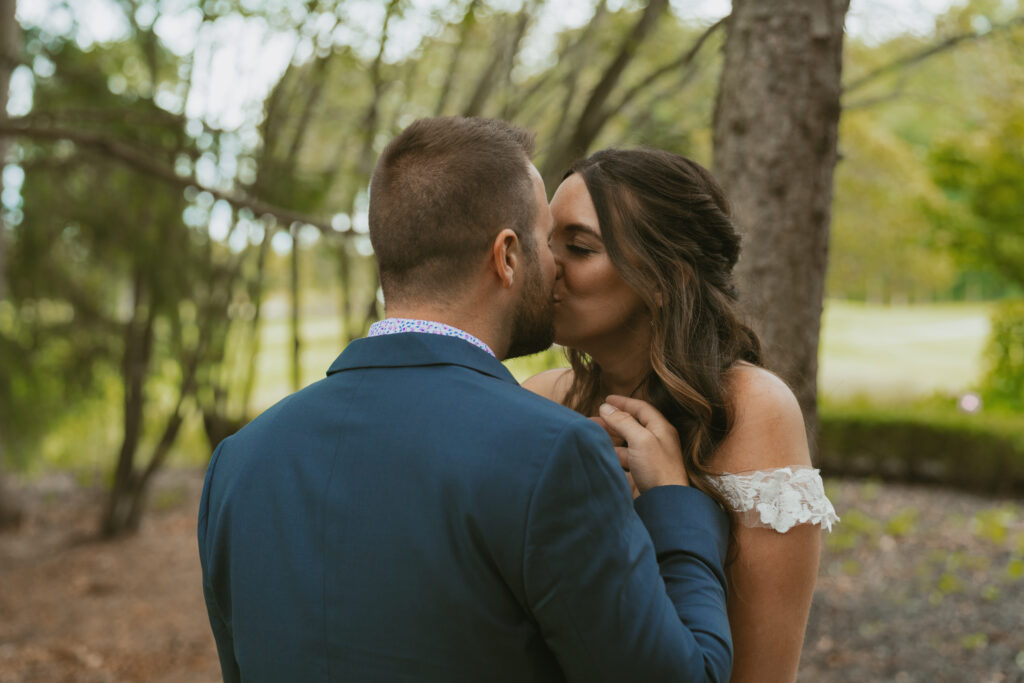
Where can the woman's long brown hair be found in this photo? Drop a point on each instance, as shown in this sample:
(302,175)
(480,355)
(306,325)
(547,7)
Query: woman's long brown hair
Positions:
(666,227)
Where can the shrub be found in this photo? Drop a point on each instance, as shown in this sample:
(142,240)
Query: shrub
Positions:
(1004,382)
(962,453)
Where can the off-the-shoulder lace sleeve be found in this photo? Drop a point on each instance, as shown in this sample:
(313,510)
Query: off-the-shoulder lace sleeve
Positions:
(778,498)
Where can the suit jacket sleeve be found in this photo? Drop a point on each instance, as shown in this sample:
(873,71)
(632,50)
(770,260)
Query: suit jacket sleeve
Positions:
(622,593)
(219,622)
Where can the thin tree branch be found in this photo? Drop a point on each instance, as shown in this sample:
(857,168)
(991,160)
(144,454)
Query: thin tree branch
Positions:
(143,161)
(685,60)
(599,95)
(504,52)
(467,23)
(930,51)
(569,54)
(588,124)
(868,102)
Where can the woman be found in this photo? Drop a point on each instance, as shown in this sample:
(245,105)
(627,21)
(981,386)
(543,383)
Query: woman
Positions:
(645,305)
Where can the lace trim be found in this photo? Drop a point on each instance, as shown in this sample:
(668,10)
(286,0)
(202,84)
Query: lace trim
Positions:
(778,498)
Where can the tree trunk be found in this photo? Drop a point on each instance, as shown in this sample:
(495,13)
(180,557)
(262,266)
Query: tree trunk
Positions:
(10,48)
(775,130)
(137,352)
(10,39)
(296,311)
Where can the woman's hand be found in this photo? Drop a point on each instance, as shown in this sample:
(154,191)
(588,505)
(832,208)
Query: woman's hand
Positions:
(647,444)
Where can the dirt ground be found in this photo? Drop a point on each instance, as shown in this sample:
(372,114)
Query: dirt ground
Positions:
(915,585)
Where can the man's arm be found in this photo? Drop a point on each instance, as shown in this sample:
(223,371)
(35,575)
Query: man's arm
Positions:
(219,625)
(611,604)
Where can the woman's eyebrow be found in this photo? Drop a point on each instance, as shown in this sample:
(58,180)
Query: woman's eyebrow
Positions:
(579,227)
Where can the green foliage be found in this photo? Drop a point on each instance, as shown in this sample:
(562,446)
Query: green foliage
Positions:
(1015,569)
(858,529)
(902,523)
(982,217)
(1004,382)
(930,154)
(994,525)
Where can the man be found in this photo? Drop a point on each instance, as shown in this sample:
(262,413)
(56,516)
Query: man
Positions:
(416,515)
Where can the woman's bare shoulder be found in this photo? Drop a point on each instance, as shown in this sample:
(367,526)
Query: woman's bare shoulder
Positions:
(551,384)
(768,426)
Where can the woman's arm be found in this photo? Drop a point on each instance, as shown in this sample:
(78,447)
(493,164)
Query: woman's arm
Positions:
(772,576)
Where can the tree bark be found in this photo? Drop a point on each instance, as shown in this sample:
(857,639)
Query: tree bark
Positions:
(775,131)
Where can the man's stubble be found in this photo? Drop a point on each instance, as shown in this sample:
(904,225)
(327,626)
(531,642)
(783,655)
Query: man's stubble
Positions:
(533,323)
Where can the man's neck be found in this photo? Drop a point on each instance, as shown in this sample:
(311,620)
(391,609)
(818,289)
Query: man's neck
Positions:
(475,325)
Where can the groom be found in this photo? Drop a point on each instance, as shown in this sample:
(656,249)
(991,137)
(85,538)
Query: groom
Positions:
(416,515)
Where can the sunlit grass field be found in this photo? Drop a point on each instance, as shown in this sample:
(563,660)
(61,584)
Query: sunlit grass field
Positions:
(884,353)
(900,352)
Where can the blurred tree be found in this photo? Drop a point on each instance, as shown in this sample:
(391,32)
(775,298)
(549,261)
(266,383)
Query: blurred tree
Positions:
(106,252)
(881,248)
(776,126)
(903,99)
(1003,384)
(981,214)
(125,265)
(10,49)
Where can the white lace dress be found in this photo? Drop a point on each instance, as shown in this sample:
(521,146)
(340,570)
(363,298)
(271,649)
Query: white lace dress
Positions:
(779,498)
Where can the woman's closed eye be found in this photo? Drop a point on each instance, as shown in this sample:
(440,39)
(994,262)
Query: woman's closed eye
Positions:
(579,249)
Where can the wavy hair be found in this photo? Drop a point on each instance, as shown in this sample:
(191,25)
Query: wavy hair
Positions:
(666,227)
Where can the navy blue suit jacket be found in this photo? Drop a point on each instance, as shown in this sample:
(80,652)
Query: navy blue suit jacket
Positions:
(418,516)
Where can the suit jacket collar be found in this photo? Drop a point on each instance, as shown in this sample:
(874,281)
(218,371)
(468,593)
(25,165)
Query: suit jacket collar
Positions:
(411,349)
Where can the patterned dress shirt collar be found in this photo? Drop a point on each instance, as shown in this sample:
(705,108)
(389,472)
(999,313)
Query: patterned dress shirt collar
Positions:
(400,325)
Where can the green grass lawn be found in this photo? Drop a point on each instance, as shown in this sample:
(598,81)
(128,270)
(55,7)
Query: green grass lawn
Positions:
(880,352)
(898,352)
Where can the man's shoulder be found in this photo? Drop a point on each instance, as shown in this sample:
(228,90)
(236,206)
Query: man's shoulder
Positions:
(539,407)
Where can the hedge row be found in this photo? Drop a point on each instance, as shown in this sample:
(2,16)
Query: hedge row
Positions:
(903,449)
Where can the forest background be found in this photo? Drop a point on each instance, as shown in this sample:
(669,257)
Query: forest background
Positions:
(184,193)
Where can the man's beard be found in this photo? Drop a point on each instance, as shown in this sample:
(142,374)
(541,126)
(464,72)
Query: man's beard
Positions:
(533,323)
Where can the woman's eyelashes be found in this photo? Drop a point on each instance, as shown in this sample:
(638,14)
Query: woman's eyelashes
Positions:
(572,244)
(579,249)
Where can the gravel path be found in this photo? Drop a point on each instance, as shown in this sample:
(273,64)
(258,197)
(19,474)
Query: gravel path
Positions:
(916,584)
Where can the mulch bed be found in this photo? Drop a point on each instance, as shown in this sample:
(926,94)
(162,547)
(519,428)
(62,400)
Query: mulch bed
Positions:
(916,584)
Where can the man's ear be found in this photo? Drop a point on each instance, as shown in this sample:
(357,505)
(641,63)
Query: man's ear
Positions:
(505,256)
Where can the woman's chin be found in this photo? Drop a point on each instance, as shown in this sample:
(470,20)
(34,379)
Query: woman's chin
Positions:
(564,339)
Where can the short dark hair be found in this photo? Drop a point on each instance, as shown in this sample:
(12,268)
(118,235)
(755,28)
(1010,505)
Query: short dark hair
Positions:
(440,193)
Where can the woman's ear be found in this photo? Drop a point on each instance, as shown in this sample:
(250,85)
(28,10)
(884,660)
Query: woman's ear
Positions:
(505,256)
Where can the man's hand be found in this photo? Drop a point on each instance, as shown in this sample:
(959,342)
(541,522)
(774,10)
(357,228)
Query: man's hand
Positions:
(651,455)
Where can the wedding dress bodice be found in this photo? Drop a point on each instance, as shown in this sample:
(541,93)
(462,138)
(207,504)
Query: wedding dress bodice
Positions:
(779,498)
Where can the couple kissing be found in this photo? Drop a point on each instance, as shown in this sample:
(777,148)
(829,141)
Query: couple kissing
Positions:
(649,513)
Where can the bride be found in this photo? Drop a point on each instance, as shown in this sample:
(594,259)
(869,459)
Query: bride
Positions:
(645,305)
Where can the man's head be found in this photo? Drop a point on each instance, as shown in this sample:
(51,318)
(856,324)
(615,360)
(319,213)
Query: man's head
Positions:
(445,195)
